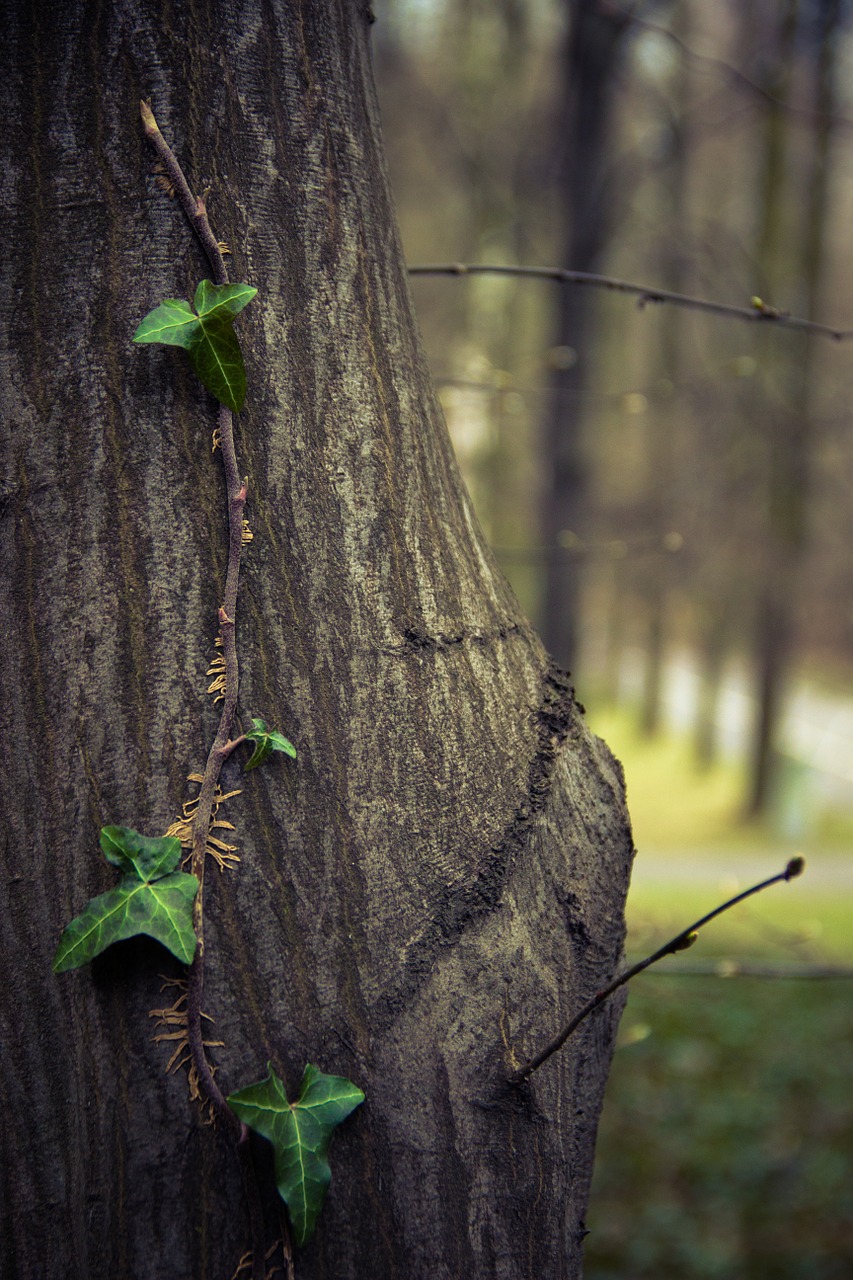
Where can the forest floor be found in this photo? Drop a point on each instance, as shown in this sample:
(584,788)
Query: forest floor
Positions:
(726,1142)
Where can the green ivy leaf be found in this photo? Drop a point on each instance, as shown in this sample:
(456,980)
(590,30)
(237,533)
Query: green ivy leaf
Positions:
(267,740)
(218,361)
(229,299)
(300,1133)
(208,337)
(172,323)
(150,857)
(151,898)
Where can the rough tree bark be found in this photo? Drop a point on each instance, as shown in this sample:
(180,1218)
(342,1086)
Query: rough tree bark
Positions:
(441,874)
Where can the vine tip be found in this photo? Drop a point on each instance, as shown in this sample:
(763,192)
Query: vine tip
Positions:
(149,124)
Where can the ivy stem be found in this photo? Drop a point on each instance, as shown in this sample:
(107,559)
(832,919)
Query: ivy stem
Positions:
(680,942)
(216,758)
(221,746)
(195,209)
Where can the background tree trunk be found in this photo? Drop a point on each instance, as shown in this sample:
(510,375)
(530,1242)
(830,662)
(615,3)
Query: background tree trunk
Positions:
(664,420)
(442,872)
(594,46)
(790,427)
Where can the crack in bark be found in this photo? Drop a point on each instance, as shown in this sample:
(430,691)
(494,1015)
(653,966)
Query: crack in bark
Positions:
(417,640)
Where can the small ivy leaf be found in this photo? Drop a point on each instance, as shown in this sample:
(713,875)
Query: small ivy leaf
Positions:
(280,743)
(226,298)
(208,338)
(258,756)
(300,1133)
(267,740)
(151,898)
(172,322)
(150,857)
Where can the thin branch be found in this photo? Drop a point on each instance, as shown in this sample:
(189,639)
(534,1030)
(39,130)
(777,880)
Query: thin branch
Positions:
(680,942)
(758,311)
(612,549)
(196,211)
(233,744)
(726,968)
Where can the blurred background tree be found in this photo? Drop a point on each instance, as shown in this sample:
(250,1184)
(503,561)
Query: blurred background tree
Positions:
(669,493)
(662,486)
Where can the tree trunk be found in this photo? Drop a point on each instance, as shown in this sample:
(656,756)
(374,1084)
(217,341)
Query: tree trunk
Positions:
(664,419)
(712,649)
(593,48)
(791,434)
(437,882)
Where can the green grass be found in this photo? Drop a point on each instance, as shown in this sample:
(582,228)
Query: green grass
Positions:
(676,805)
(673,804)
(694,850)
(726,1144)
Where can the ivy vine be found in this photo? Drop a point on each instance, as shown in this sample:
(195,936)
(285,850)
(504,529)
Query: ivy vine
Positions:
(153,896)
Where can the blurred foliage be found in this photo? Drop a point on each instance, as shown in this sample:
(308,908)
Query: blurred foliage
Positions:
(694,848)
(713,452)
(726,1144)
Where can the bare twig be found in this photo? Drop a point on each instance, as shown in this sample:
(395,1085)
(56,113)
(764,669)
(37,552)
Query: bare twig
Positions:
(680,942)
(726,968)
(757,312)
